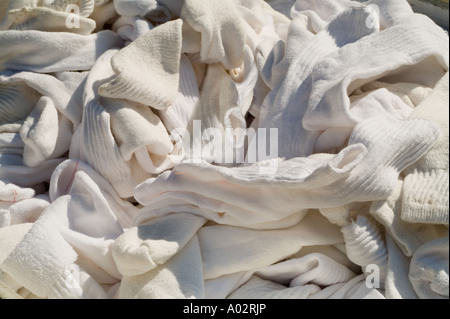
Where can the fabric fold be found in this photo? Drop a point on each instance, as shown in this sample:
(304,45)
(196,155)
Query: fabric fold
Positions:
(46,52)
(155,54)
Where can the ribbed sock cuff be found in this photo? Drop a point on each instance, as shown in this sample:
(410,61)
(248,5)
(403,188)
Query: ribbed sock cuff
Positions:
(425,197)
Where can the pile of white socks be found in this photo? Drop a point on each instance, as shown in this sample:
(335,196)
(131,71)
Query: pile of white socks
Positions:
(223,149)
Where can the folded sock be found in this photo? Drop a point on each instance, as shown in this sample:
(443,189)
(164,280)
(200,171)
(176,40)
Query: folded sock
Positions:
(223,252)
(313,268)
(48,256)
(221,30)
(131,28)
(179,278)
(9,238)
(425,196)
(286,105)
(155,54)
(145,247)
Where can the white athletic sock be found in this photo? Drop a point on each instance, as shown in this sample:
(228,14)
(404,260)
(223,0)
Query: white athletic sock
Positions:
(147,246)
(397,284)
(365,246)
(221,29)
(408,236)
(147,70)
(286,105)
(425,196)
(179,278)
(47,20)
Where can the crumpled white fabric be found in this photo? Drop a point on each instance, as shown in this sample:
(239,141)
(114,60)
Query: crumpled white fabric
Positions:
(222,149)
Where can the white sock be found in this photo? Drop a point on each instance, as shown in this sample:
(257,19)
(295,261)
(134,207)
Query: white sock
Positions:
(344,71)
(46,133)
(9,238)
(179,278)
(64,89)
(313,268)
(56,50)
(323,181)
(28,210)
(62,180)
(250,196)
(221,30)
(257,288)
(159,87)
(412,94)
(223,253)
(47,20)
(408,236)
(179,114)
(16,101)
(150,9)
(429,272)
(57,238)
(425,196)
(319,13)
(14,170)
(147,246)
(140,133)
(285,106)
(131,28)
(365,246)
(96,143)
(103,12)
